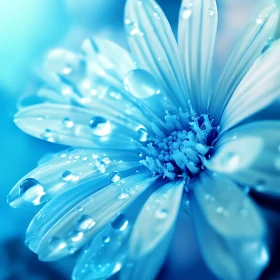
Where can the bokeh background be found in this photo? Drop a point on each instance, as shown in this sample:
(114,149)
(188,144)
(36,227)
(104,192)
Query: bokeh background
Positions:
(29,29)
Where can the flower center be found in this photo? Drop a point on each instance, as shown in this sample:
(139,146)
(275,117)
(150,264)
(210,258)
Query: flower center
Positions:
(179,145)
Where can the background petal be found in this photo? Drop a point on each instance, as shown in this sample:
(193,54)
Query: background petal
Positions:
(229,228)
(250,154)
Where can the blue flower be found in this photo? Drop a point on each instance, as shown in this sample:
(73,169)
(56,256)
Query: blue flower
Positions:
(149,131)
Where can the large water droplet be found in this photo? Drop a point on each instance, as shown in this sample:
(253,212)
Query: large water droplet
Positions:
(142,134)
(67,175)
(120,223)
(67,122)
(114,177)
(32,191)
(100,126)
(57,244)
(85,223)
(141,83)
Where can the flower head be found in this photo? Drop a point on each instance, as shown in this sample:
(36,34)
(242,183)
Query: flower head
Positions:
(148,130)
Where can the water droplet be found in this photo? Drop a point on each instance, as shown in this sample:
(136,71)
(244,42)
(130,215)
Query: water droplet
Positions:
(120,223)
(211,12)
(156,15)
(85,223)
(123,195)
(161,214)
(221,211)
(100,126)
(76,236)
(141,83)
(67,176)
(47,135)
(142,134)
(231,160)
(114,177)
(57,244)
(259,20)
(67,122)
(106,239)
(268,44)
(277,163)
(32,191)
(100,165)
(186,12)
(132,28)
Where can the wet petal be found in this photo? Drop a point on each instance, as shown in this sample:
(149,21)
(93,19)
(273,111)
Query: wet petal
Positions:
(74,223)
(230,231)
(250,154)
(258,89)
(197,35)
(149,243)
(154,47)
(106,58)
(63,172)
(106,253)
(257,36)
(76,126)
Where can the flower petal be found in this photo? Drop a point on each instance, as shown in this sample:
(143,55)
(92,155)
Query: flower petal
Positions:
(154,47)
(61,228)
(250,154)
(197,35)
(65,171)
(229,229)
(250,45)
(258,89)
(106,253)
(75,126)
(148,244)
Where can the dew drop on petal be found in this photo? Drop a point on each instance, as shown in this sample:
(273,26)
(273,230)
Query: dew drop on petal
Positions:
(142,134)
(211,12)
(100,126)
(57,243)
(67,122)
(123,195)
(114,177)
(31,190)
(120,223)
(106,239)
(85,223)
(186,12)
(141,83)
(75,235)
(67,176)
(47,135)
(132,28)
(161,214)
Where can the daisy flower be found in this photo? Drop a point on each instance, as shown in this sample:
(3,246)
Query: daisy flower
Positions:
(148,132)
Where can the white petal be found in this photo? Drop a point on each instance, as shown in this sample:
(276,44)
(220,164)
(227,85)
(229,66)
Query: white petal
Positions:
(107,58)
(76,126)
(149,242)
(197,35)
(250,154)
(252,41)
(154,47)
(69,221)
(106,253)
(258,89)
(65,171)
(229,229)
